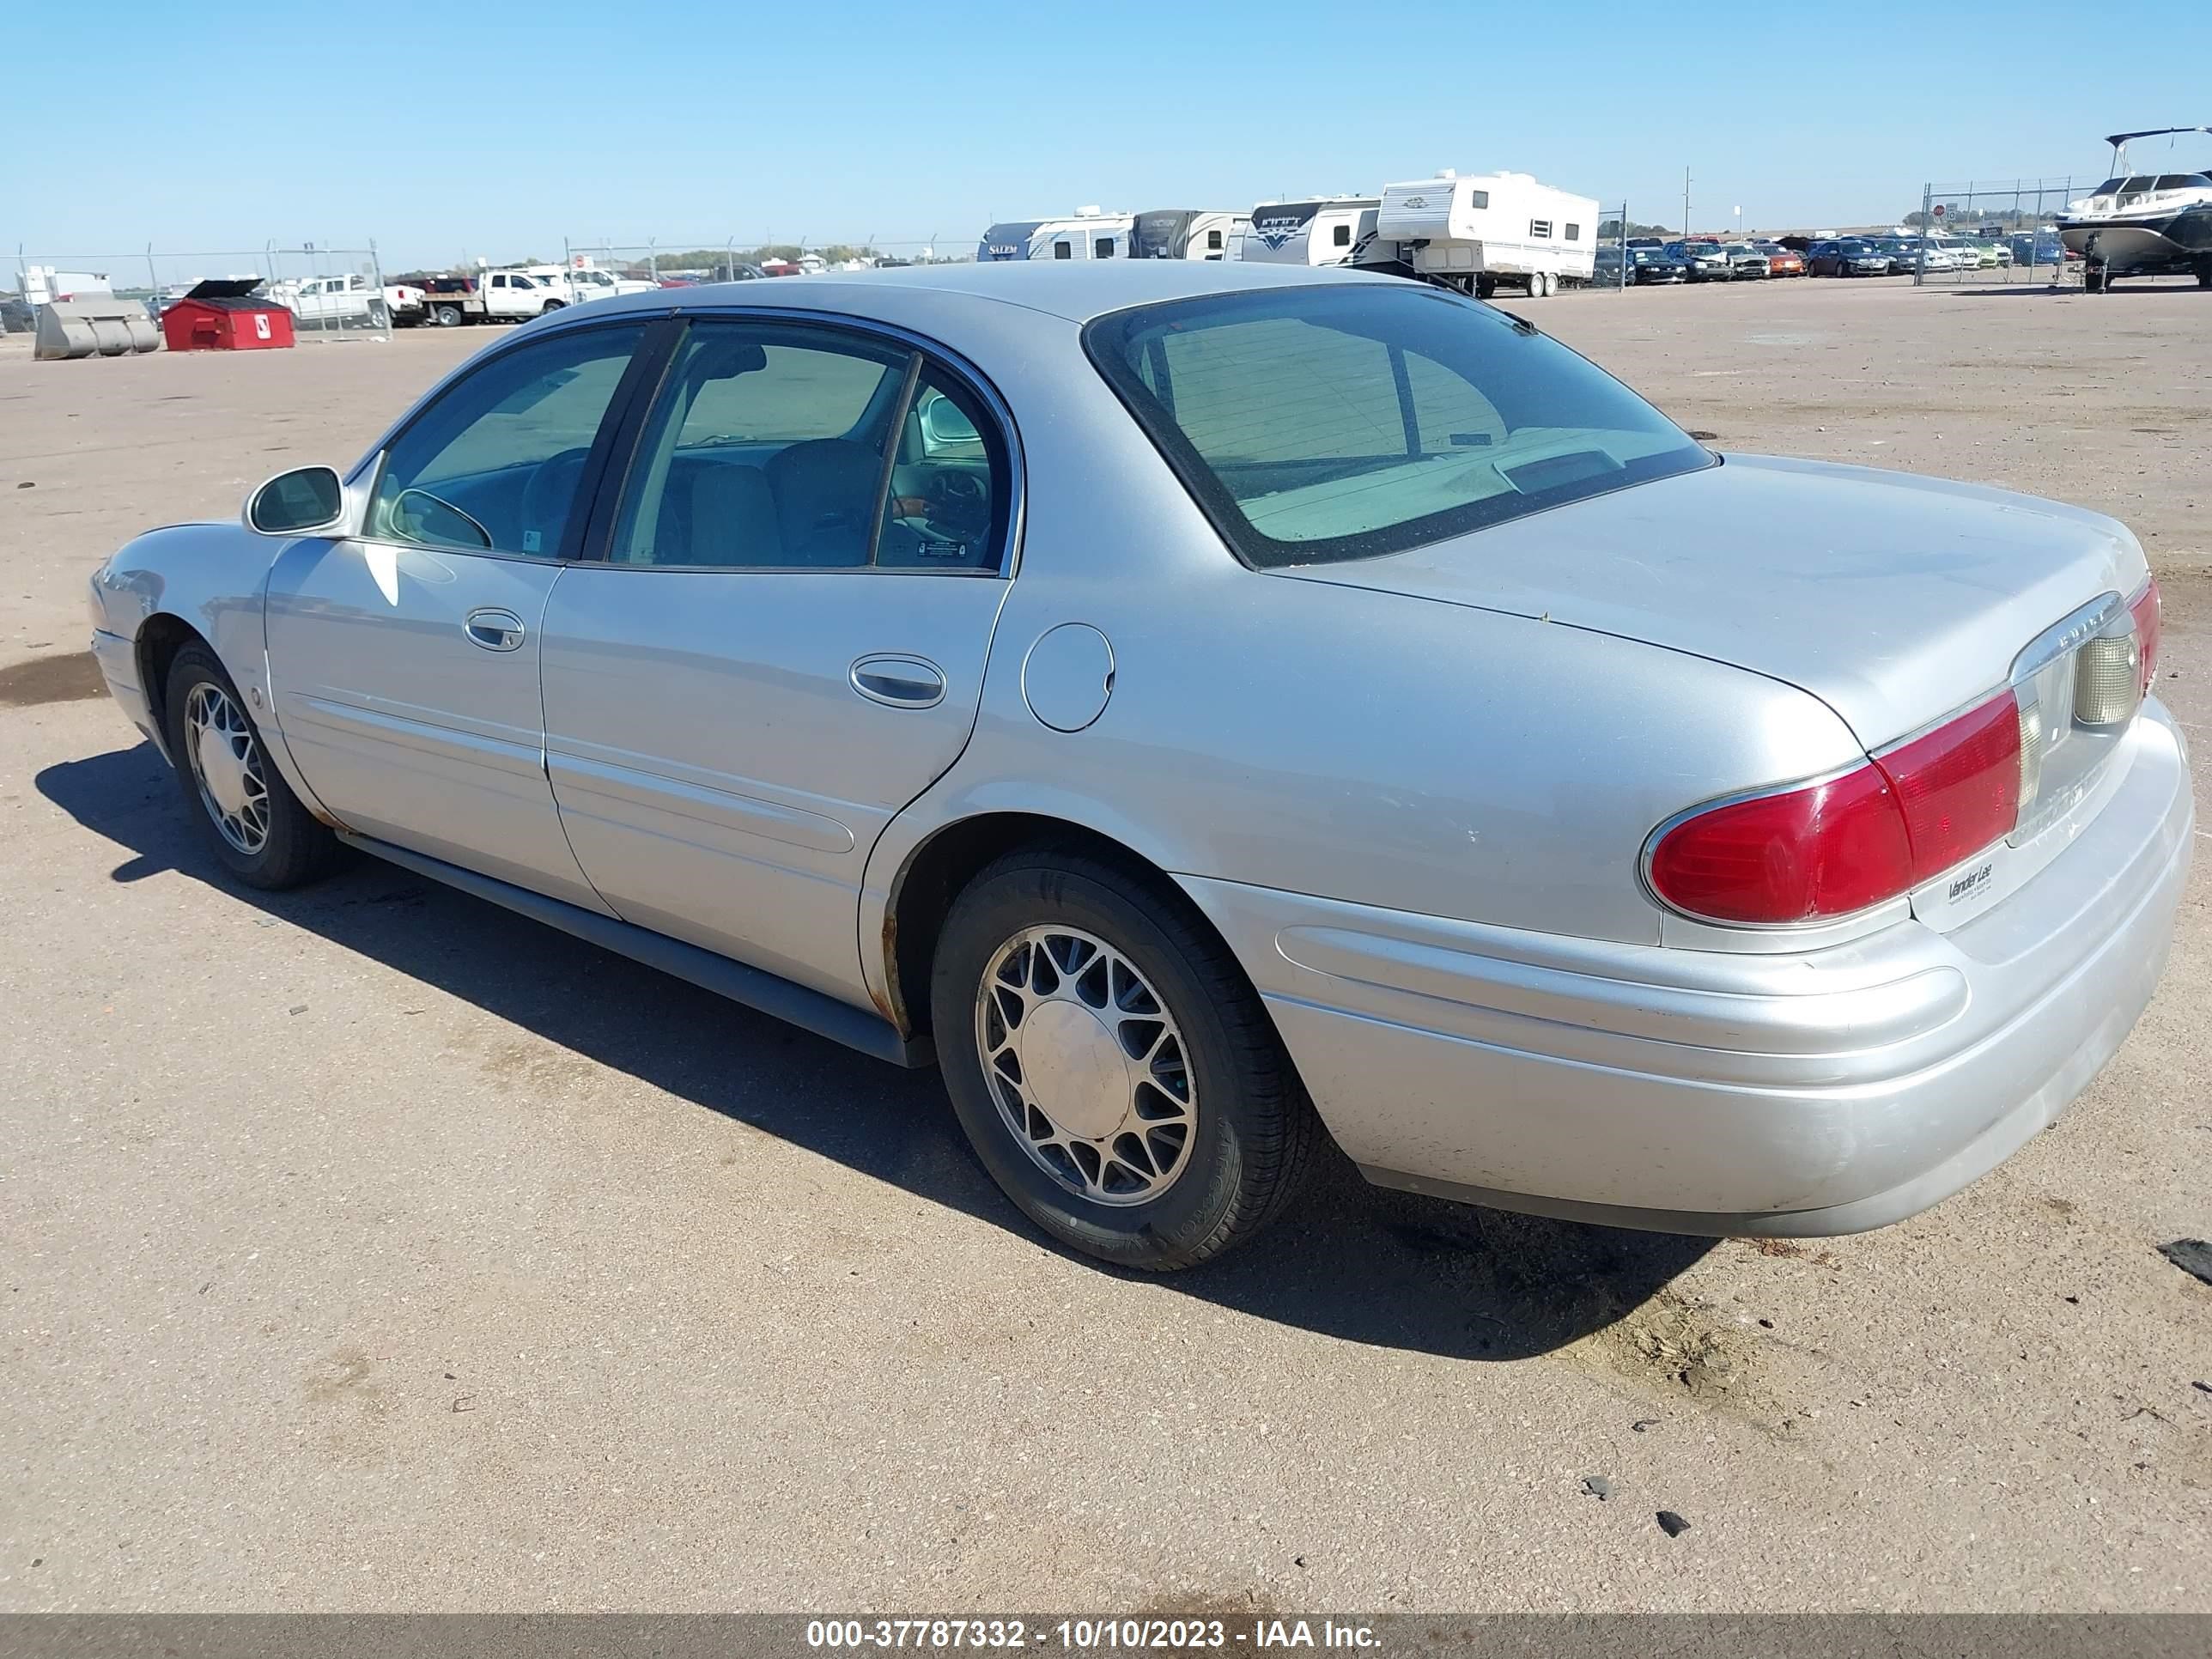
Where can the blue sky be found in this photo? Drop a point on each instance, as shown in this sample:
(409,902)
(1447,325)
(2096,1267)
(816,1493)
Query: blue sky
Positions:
(216,129)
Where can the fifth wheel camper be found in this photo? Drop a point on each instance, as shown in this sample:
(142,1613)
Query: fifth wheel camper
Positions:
(1475,231)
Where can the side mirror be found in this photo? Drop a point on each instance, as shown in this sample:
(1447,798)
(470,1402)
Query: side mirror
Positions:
(297,503)
(943,425)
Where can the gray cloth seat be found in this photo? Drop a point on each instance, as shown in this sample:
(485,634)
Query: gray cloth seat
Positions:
(825,497)
(734,521)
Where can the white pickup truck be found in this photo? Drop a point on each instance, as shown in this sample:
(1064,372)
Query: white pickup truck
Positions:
(336,301)
(584,283)
(484,296)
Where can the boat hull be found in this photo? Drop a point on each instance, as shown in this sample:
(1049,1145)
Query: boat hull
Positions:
(2160,244)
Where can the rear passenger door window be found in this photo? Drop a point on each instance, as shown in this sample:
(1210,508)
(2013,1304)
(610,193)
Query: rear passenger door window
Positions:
(777,446)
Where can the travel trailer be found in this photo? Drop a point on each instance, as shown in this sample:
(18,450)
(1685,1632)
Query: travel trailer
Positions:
(1090,235)
(1322,230)
(1009,240)
(1475,231)
(1187,234)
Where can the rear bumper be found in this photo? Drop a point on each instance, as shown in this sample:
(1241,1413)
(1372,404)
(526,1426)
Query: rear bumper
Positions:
(1809,1093)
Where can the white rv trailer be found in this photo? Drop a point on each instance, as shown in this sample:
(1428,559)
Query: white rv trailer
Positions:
(1187,234)
(1321,230)
(1009,240)
(1477,231)
(1090,235)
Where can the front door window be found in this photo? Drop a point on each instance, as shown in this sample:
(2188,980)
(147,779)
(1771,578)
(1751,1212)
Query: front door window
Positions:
(494,465)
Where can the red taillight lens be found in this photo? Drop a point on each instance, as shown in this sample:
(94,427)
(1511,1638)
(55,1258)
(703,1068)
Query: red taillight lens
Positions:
(1830,848)
(1959,785)
(1825,850)
(2148,611)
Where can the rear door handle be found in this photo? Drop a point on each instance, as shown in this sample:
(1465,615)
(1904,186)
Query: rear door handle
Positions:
(899,682)
(494,630)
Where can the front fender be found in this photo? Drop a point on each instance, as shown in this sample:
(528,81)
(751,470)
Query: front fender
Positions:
(212,578)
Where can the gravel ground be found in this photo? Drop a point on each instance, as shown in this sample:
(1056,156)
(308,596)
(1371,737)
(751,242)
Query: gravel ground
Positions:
(368,1247)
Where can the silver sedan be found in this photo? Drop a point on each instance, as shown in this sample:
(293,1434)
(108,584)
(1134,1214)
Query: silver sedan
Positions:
(1208,708)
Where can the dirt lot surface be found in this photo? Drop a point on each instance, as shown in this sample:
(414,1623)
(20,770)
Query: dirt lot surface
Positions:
(368,1247)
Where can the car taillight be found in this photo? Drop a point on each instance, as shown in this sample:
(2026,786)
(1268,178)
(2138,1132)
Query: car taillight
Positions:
(1878,830)
(1958,786)
(2149,613)
(1823,850)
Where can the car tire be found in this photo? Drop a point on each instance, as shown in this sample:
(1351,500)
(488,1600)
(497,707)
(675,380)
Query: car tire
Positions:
(258,829)
(552,306)
(447,316)
(1224,1132)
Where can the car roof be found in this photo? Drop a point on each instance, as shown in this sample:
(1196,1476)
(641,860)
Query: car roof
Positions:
(1076,289)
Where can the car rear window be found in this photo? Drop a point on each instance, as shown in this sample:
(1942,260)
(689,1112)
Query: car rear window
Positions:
(1350,420)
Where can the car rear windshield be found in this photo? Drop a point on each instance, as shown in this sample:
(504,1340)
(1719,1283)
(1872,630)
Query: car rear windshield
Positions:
(1348,420)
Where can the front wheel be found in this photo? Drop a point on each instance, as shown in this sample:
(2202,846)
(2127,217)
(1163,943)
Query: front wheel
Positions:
(1111,1065)
(254,822)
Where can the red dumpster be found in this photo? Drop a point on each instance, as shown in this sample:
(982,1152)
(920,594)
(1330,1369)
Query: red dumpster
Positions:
(225,314)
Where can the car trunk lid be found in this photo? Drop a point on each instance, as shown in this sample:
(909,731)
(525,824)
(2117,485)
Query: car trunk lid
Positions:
(1895,599)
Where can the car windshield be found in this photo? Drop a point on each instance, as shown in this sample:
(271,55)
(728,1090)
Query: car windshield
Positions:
(1315,424)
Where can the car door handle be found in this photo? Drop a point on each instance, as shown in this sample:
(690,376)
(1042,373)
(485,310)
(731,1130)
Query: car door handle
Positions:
(899,682)
(494,630)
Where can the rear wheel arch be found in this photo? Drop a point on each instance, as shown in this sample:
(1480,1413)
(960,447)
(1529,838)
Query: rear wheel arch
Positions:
(952,856)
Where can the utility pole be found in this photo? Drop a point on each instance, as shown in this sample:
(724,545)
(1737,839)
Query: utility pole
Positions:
(1686,203)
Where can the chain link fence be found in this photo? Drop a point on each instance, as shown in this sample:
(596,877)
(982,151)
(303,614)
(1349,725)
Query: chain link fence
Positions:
(333,293)
(738,259)
(1993,232)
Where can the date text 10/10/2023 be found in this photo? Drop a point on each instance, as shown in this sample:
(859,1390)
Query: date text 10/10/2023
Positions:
(1088,1635)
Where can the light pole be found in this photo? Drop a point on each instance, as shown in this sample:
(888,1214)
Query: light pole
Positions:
(1739,223)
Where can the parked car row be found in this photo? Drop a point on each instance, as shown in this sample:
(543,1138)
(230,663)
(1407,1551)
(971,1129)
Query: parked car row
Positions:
(1648,261)
(1897,256)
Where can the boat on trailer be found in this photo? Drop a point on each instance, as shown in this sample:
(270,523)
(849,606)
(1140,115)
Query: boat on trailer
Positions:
(2141,224)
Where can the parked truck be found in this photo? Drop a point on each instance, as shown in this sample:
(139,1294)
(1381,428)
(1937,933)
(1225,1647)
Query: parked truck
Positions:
(350,300)
(577,284)
(485,296)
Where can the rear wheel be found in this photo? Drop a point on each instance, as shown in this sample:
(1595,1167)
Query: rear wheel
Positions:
(447,316)
(254,822)
(1111,1065)
(553,306)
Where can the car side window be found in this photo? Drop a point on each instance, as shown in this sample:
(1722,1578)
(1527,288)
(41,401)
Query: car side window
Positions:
(776,446)
(495,464)
(950,483)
